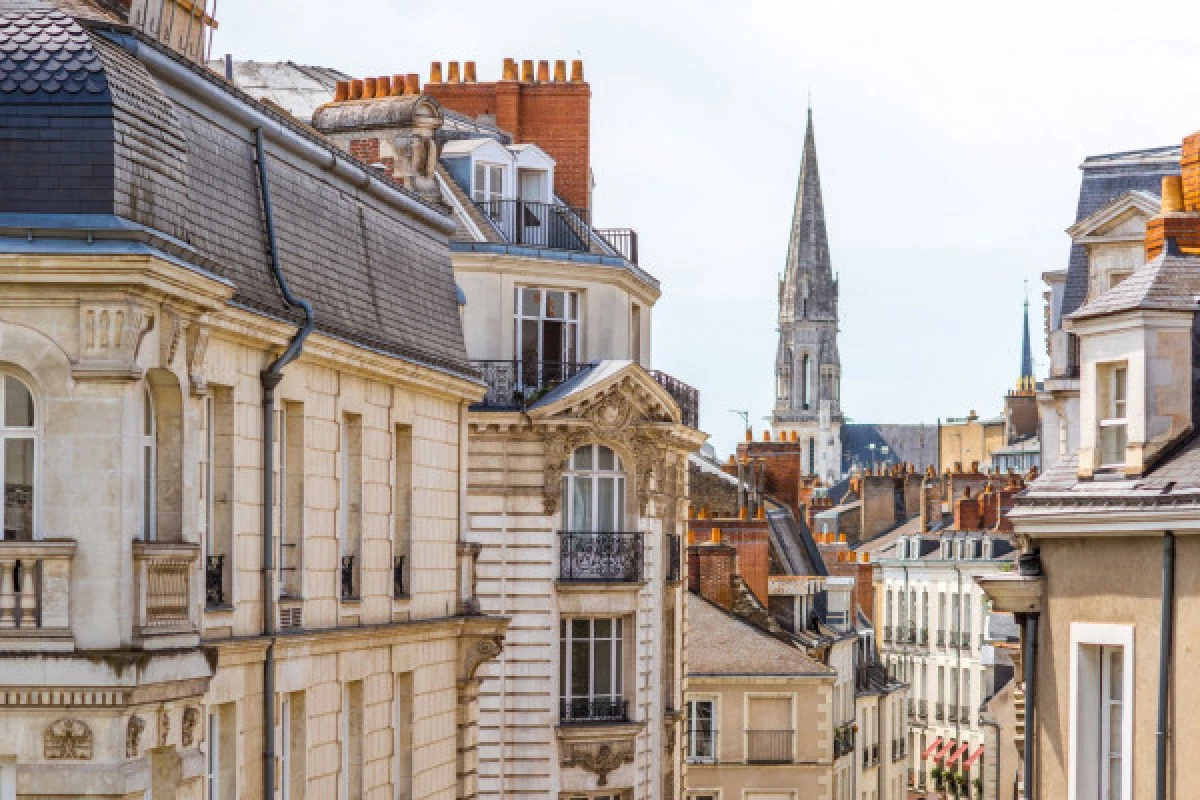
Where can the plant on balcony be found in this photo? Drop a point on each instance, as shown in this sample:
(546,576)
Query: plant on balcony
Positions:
(978,786)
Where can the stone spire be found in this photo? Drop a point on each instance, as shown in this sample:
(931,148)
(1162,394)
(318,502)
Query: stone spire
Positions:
(1026,382)
(809,289)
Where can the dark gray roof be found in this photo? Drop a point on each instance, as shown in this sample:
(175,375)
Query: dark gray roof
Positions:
(793,543)
(1175,480)
(914,444)
(98,135)
(1169,282)
(1106,177)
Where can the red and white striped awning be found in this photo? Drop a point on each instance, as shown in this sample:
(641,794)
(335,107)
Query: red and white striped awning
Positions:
(936,744)
(945,751)
(974,757)
(962,748)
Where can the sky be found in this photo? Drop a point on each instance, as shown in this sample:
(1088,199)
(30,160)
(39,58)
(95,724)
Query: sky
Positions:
(949,137)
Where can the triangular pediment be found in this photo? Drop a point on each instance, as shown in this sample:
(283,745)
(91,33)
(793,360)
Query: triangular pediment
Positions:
(609,395)
(1122,218)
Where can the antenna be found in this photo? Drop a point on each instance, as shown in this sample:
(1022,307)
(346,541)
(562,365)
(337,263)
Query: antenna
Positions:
(745,415)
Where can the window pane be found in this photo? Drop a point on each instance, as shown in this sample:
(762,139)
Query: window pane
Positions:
(556,305)
(1116,671)
(606,504)
(479,187)
(147,414)
(579,668)
(572,305)
(605,459)
(603,628)
(18,404)
(148,494)
(603,685)
(18,489)
(583,457)
(581,506)
(496,189)
(531,302)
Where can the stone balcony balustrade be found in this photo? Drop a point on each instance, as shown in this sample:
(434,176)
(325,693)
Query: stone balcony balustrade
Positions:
(35,602)
(164,574)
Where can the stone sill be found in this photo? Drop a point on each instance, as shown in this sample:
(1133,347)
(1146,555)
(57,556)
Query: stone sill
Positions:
(599,586)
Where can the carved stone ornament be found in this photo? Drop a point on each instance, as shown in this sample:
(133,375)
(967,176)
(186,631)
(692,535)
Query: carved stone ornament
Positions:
(164,726)
(599,758)
(172,334)
(133,736)
(110,339)
(68,740)
(197,348)
(477,652)
(559,446)
(191,718)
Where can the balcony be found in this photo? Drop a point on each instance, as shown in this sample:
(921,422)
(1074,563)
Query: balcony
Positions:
(872,677)
(600,557)
(939,711)
(769,747)
(623,240)
(964,714)
(843,741)
(899,749)
(923,637)
(35,584)
(674,557)
(399,584)
(515,385)
(550,226)
(163,593)
(593,710)
(214,582)
(346,579)
(912,707)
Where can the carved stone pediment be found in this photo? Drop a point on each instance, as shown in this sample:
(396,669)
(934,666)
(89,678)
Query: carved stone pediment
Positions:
(68,740)
(110,340)
(599,758)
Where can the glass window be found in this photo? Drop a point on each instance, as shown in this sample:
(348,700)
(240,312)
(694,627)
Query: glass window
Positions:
(701,730)
(1113,401)
(591,667)
(18,440)
(595,491)
(1112,699)
(546,336)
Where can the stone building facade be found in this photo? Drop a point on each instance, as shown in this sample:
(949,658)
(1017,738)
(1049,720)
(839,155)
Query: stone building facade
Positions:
(232,563)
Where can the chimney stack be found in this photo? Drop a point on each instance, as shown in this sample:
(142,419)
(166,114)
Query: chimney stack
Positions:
(453,76)
(543,72)
(560,71)
(1172,194)
(469,71)
(576,71)
(435,72)
(527,70)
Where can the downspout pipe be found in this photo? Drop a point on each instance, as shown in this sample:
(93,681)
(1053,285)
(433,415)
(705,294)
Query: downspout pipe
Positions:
(1164,664)
(1031,632)
(271,377)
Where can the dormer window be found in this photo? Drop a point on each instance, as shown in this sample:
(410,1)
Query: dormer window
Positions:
(946,543)
(488,187)
(1111,391)
(987,547)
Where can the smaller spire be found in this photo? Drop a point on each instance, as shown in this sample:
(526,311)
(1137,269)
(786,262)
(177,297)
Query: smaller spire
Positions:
(1025,382)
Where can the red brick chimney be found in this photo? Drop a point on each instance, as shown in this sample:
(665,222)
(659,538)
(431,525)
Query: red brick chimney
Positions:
(966,512)
(711,567)
(554,114)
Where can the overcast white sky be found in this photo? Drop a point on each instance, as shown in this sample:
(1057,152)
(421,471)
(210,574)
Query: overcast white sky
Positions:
(949,136)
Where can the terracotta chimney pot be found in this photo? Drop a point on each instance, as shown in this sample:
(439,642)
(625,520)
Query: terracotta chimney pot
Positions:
(715,536)
(543,72)
(1172,194)
(369,86)
(435,72)
(383,86)
(510,70)
(356,89)
(749,434)
(560,71)
(412,83)
(341,92)
(576,71)
(397,86)
(453,75)
(766,436)
(743,513)
(527,71)
(760,513)
(469,71)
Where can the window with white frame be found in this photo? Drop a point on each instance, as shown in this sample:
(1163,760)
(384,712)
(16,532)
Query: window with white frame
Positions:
(149,463)
(702,730)
(547,335)
(19,442)
(594,491)
(1111,393)
(591,667)
(488,187)
(1101,725)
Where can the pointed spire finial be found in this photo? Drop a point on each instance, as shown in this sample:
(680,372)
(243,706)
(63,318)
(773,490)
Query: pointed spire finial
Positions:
(1025,382)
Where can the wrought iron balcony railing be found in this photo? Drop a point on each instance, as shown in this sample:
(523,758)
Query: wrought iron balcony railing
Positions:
(769,747)
(887,633)
(674,557)
(584,710)
(872,677)
(515,384)
(941,637)
(214,581)
(685,396)
(543,225)
(347,578)
(964,714)
(952,713)
(923,637)
(912,707)
(600,557)
(623,240)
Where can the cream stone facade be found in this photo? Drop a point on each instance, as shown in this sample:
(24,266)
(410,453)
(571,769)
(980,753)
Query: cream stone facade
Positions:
(226,572)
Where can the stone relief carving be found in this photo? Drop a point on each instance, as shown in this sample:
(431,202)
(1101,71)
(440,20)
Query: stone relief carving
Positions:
(111,336)
(164,726)
(476,653)
(172,333)
(559,446)
(133,736)
(599,758)
(191,717)
(197,346)
(68,740)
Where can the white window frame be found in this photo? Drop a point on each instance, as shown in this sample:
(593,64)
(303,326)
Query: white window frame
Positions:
(691,739)
(616,654)
(33,433)
(570,321)
(1104,635)
(1108,398)
(487,193)
(592,477)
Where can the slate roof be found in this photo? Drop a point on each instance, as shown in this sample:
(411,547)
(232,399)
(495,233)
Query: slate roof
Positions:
(720,643)
(916,444)
(793,543)
(97,135)
(1176,480)
(1106,177)
(1169,282)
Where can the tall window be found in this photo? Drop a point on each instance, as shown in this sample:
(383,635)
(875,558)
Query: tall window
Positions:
(220,434)
(291,502)
(149,461)
(812,456)
(591,666)
(1111,393)
(965,700)
(488,189)
(594,491)
(966,633)
(547,334)
(805,382)
(350,508)
(402,513)
(221,762)
(18,440)
(1102,730)
(701,730)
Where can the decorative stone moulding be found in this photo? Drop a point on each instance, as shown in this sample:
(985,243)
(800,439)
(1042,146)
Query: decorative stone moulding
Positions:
(599,758)
(133,736)
(68,740)
(110,339)
(191,719)
(197,347)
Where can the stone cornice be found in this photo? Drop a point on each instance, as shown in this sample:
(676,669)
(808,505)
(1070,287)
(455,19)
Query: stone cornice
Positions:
(551,272)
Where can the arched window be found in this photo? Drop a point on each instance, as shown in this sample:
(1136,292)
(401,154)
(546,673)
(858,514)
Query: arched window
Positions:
(149,467)
(594,491)
(805,383)
(19,442)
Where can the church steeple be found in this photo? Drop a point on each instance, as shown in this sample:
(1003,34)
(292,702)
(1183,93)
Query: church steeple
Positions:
(1025,382)
(809,290)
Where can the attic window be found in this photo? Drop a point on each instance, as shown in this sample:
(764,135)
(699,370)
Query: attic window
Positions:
(1111,393)
(1116,276)
(488,187)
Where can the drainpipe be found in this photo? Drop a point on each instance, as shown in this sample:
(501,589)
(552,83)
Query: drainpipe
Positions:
(1164,663)
(271,377)
(1031,630)
(995,726)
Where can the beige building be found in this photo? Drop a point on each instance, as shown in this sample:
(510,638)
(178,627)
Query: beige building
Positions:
(232,563)
(1104,589)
